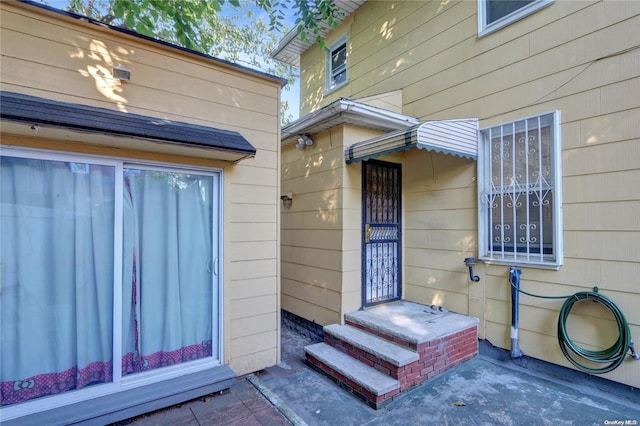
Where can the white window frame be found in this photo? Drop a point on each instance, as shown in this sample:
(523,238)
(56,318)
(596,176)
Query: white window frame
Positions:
(485,28)
(513,257)
(330,72)
(121,383)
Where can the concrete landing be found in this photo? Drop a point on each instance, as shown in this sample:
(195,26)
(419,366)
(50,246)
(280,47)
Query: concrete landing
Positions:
(410,321)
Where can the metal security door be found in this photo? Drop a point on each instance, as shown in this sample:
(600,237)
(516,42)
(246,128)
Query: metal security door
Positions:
(381,233)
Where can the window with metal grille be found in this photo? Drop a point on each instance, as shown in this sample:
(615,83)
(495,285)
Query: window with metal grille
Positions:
(519,186)
(337,64)
(495,14)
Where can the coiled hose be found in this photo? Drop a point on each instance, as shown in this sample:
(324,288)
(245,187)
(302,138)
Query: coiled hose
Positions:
(612,356)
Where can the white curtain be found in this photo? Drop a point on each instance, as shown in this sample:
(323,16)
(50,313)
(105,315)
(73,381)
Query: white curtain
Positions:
(56,266)
(167,283)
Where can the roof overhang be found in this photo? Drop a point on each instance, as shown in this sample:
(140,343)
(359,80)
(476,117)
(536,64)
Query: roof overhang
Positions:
(455,137)
(345,111)
(21,114)
(292,46)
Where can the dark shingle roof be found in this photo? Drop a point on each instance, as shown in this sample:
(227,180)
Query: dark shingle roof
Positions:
(50,113)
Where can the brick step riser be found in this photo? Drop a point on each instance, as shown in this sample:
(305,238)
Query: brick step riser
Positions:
(439,355)
(374,401)
(368,358)
(436,356)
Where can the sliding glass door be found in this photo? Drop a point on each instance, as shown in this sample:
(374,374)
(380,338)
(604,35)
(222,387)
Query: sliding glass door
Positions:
(108,270)
(56,300)
(167,267)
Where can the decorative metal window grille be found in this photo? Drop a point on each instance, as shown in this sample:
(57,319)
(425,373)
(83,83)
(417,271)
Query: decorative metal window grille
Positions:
(519,192)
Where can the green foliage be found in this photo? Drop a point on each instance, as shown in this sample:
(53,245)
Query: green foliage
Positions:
(182,21)
(311,15)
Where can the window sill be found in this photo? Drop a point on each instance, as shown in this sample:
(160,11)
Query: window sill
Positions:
(521,264)
(484,30)
(327,92)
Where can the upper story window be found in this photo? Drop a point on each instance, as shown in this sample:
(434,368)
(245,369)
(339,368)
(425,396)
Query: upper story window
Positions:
(495,14)
(520,192)
(337,64)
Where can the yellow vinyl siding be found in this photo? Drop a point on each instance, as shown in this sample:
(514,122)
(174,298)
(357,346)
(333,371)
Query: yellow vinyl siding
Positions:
(321,230)
(65,59)
(439,228)
(72,56)
(578,57)
(311,236)
(391,101)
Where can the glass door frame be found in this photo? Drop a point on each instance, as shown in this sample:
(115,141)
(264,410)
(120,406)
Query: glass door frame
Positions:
(120,383)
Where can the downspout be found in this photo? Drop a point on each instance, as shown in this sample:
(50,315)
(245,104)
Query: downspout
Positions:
(514,279)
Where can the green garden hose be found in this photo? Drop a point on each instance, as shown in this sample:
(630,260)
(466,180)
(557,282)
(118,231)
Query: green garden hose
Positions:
(613,356)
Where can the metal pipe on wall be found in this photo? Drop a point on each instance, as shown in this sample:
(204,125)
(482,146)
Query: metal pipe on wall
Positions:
(514,279)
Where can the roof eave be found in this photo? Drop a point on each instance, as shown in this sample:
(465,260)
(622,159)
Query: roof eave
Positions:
(346,111)
(292,46)
(277,53)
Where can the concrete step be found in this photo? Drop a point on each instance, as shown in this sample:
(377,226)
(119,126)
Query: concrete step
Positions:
(409,324)
(363,381)
(387,350)
(367,347)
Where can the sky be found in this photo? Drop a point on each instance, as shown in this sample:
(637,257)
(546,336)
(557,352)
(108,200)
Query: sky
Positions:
(291,94)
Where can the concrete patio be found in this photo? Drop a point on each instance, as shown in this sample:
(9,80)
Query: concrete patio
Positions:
(490,389)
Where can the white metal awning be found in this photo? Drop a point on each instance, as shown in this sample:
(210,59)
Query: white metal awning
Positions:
(455,137)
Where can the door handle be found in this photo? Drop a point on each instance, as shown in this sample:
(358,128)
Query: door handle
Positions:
(367,233)
(213,266)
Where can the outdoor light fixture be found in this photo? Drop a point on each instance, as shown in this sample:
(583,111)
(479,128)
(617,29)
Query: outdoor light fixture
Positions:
(287,199)
(469,262)
(303,142)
